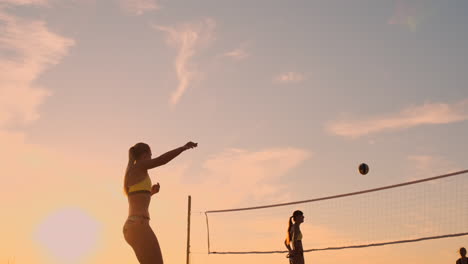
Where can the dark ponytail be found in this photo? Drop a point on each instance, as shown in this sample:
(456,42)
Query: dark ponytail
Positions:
(290,231)
(131,161)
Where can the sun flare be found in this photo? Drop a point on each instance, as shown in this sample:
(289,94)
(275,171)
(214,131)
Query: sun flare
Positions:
(68,234)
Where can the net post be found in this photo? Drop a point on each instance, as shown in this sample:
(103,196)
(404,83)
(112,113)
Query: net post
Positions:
(207,232)
(189,212)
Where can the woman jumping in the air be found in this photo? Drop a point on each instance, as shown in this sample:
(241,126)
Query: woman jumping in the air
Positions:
(293,240)
(139,189)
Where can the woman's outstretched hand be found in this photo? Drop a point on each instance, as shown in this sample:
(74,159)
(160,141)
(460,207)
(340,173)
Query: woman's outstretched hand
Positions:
(190,145)
(155,188)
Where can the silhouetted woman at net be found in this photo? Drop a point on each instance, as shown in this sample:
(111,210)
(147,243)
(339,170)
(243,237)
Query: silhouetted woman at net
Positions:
(293,240)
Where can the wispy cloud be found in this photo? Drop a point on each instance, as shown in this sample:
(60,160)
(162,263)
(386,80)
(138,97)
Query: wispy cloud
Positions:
(241,174)
(426,114)
(290,77)
(237,54)
(410,13)
(187,39)
(30,49)
(138,7)
(24,2)
(430,165)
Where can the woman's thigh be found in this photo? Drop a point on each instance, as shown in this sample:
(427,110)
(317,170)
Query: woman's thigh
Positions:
(142,239)
(298,259)
(299,255)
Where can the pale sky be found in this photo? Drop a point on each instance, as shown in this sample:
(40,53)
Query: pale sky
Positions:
(285,98)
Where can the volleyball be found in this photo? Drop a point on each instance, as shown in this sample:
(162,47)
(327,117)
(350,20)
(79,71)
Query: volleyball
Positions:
(363,168)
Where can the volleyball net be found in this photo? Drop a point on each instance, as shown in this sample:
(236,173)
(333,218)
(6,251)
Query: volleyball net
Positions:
(430,208)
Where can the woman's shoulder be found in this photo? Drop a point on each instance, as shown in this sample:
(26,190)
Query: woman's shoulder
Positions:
(136,174)
(137,170)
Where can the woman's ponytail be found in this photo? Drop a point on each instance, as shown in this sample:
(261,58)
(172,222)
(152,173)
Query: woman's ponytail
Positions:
(131,157)
(131,161)
(289,233)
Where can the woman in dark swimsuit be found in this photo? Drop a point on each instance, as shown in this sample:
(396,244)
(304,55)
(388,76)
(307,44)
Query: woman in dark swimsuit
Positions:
(293,240)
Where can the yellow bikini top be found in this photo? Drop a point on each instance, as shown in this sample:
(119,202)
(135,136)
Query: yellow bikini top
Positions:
(141,187)
(299,235)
